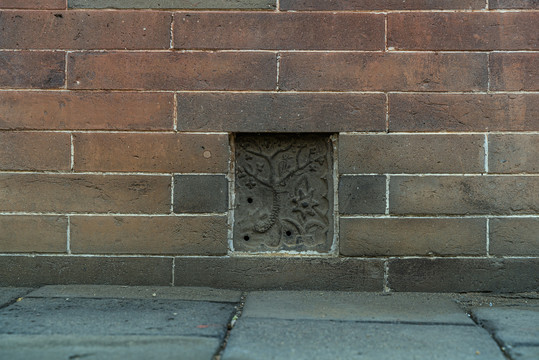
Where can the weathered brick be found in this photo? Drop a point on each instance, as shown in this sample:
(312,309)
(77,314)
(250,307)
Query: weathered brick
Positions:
(513,4)
(412,236)
(34,4)
(463,112)
(362,194)
(172,71)
(383,71)
(25,234)
(322,5)
(509,153)
(411,154)
(84,193)
(86,110)
(464,275)
(282,31)
(34,151)
(200,193)
(45,270)
(252,273)
(463,31)
(85,30)
(32,69)
(173,4)
(185,235)
(169,152)
(280,112)
(464,195)
(514,236)
(514,71)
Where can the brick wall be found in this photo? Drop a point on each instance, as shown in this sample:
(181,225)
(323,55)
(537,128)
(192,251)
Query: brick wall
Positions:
(118,119)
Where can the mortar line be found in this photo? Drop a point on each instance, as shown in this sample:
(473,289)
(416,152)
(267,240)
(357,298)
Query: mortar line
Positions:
(68,244)
(387,289)
(387,194)
(175,113)
(172,193)
(386,48)
(65,68)
(488,72)
(387,113)
(231,193)
(72,150)
(97,214)
(278,5)
(171,45)
(437,216)
(488,237)
(335,246)
(486,154)
(173,271)
(278,71)
(487,5)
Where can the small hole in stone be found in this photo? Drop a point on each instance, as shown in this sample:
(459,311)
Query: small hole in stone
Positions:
(250,200)
(246,238)
(288,233)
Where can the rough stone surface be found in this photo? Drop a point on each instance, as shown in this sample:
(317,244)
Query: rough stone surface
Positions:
(32,69)
(324,5)
(280,273)
(462,275)
(353,306)
(9,294)
(412,236)
(200,193)
(513,4)
(22,233)
(513,153)
(138,292)
(43,270)
(173,4)
(280,112)
(514,71)
(302,339)
(514,237)
(183,235)
(362,194)
(284,193)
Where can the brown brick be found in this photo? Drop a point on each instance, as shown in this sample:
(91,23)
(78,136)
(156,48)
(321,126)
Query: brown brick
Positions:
(510,153)
(513,4)
(322,5)
(464,275)
(463,112)
(172,71)
(34,4)
(25,234)
(362,194)
(85,193)
(280,112)
(412,236)
(411,154)
(514,236)
(173,4)
(514,71)
(282,31)
(200,193)
(252,273)
(32,69)
(185,235)
(34,151)
(85,30)
(169,152)
(464,195)
(463,31)
(45,270)
(383,71)
(86,110)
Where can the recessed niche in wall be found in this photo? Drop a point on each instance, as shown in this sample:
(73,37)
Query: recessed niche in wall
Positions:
(283,193)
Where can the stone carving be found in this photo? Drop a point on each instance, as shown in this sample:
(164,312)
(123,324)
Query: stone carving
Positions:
(284,193)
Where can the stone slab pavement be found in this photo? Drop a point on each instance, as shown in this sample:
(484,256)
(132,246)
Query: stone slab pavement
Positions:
(138,322)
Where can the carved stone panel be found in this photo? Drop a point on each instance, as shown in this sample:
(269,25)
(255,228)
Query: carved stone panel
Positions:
(284,193)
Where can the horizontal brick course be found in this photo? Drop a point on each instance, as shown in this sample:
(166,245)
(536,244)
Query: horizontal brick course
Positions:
(34,4)
(412,236)
(34,151)
(464,275)
(323,5)
(25,234)
(464,195)
(185,235)
(32,69)
(383,71)
(85,30)
(463,31)
(514,237)
(86,110)
(280,112)
(411,154)
(513,4)
(172,71)
(513,153)
(253,273)
(463,112)
(84,193)
(169,152)
(173,4)
(514,71)
(362,194)
(282,31)
(44,270)
(200,194)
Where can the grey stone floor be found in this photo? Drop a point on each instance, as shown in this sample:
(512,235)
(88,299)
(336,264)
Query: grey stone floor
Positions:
(120,322)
